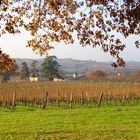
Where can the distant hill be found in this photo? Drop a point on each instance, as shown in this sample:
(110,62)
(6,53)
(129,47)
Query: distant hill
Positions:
(69,65)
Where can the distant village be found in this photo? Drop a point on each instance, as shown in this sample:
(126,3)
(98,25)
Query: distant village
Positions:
(74,76)
(51,70)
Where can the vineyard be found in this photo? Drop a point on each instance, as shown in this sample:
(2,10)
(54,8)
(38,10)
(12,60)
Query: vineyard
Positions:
(68,94)
(100,110)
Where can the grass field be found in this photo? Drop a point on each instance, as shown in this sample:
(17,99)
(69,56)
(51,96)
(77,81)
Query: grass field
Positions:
(79,123)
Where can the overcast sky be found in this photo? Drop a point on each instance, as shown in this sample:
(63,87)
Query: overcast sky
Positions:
(15,46)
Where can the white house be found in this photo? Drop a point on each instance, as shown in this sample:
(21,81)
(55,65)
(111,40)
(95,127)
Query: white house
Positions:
(33,79)
(57,79)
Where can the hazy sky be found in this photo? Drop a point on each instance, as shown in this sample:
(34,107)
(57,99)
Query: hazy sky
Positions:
(14,45)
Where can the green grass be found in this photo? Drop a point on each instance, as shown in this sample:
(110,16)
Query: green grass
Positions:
(81,123)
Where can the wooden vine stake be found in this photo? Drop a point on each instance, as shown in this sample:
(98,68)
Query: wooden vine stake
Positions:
(14,102)
(45,100)
(100,99)
(88,99)
(124,97)
(58,98)
(71,100)
(82,98)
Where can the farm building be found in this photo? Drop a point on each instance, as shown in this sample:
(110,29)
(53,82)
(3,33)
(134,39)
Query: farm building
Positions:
(33,79)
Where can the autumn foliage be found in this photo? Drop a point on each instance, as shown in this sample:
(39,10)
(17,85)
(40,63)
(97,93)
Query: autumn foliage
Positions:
(136,75)
(98,74)
(5,62)
(92,21)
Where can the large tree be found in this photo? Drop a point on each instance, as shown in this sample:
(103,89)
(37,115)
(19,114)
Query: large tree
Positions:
(33,70)
(94,22)
(24,71)
(50,67)
(6,75)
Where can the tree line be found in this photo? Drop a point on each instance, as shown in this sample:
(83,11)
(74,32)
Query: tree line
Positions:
(50,68)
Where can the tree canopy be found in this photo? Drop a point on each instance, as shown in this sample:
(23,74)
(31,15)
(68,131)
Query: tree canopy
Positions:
(25,73)
(51,68)
(33,70)
(92,21)
(6,75)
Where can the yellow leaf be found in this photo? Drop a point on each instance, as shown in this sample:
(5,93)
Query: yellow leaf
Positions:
(5,1)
